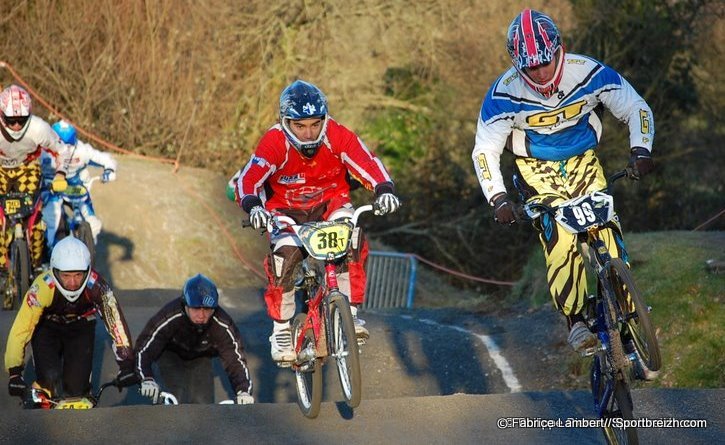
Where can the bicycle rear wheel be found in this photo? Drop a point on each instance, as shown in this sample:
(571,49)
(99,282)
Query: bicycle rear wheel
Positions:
(620,407)
(85,234)
(638,326)
(19,279)
(308,380)
(345,349)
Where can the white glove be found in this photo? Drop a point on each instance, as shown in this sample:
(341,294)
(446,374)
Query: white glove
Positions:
(386,203)
(108,175)
(243,398)
(259,217)
(150,389)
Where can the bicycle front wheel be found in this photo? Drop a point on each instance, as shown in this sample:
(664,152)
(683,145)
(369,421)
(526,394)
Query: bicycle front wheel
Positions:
(638,326)
(345,349)
(308,379)
(618,409)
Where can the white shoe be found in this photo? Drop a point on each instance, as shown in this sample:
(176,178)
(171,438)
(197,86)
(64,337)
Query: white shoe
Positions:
(360,329)
(581,338)
(281,342)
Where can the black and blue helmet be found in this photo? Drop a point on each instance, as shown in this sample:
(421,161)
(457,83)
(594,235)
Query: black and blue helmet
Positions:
(303,100)
(200,291)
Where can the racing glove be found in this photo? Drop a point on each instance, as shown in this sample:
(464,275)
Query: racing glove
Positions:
(16,386)
(126,378)
(230,193)
(503,209)
(259,217)
(244,398)
(59,183)
(640,163)
(386,203)
(108,175)
(150,389)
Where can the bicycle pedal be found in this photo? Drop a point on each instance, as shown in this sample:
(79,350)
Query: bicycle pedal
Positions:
(588,352)
(361,341)
(284,364)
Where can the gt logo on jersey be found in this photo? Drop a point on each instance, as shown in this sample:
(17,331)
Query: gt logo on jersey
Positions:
(551,118)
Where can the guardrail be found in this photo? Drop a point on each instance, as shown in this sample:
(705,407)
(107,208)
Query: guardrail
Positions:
(390,280)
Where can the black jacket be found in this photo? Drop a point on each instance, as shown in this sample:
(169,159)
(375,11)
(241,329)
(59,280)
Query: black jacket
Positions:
(170,329)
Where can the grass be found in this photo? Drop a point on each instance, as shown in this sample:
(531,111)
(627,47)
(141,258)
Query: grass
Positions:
(687,302)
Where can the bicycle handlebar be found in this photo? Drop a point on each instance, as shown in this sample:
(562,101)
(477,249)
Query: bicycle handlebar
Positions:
(520,208)
(289,221)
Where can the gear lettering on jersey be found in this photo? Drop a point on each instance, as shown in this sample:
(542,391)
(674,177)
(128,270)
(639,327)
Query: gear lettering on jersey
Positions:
(113,318)
(552,118)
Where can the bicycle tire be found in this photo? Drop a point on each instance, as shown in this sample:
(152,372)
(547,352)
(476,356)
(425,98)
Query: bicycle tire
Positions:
(19,271)
(308,383)
(620,406)
(345,350)
(85,234)
(638,325)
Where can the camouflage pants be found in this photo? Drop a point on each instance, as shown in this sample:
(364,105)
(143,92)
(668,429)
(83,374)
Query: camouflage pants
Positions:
(25,178)
(552,182)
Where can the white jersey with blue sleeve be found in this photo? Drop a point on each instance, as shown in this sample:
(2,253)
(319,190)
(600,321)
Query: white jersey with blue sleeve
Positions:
(567,124)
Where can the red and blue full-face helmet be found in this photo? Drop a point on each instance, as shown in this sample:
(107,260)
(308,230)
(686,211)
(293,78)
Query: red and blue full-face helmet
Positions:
(533,40)
(303,100)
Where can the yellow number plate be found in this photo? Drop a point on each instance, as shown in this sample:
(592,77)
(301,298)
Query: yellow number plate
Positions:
(75,190)
(12,206)
(82,403)
(328,240)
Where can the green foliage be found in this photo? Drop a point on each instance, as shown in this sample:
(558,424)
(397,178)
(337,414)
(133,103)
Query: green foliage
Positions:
(659,46)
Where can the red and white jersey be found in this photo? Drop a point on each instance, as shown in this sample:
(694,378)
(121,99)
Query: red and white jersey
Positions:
(282,178)
(38,135)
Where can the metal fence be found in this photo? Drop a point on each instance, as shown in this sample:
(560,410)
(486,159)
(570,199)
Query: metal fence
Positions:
(390,280)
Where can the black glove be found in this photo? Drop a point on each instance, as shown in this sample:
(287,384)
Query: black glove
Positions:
(640,162)
(503,209)
(16,386)
(126,378)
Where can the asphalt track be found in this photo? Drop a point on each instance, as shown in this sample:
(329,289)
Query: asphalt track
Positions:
(423,384)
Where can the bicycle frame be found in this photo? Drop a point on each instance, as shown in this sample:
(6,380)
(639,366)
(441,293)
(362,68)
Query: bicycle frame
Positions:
(24,215)
(612,367)
(327,329)
(318,309)
(73,199)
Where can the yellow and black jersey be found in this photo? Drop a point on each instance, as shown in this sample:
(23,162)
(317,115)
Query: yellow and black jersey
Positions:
(44,302)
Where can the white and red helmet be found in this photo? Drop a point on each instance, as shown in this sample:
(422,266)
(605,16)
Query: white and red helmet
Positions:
(533,40)
(15,104)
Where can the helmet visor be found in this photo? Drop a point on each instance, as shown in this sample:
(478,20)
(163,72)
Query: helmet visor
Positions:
(15,120)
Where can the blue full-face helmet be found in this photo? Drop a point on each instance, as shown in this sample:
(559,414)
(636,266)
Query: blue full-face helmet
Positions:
(199,291)
(303,100)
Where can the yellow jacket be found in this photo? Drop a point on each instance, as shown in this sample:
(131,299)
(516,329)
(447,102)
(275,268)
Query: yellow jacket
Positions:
(43,300)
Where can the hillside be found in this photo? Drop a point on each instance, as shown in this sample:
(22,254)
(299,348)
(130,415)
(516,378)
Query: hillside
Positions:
(158,232)
(161,227)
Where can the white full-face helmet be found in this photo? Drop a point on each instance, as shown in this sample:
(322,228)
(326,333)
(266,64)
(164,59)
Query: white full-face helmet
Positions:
(70,255)
(15,105)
